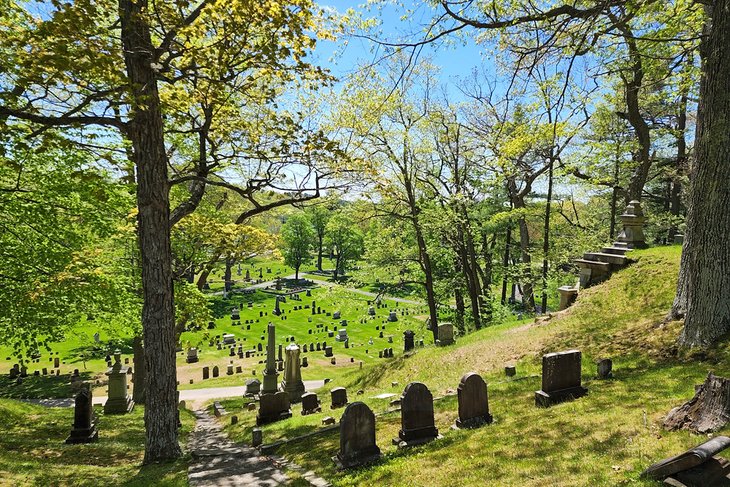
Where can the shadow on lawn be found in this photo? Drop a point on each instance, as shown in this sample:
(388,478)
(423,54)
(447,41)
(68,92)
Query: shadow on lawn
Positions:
(38,387)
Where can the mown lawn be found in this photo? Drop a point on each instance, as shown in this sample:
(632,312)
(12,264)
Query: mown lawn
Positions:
(606,438)
(33,452)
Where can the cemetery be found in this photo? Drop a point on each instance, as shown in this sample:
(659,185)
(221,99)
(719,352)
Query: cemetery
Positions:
(382,243)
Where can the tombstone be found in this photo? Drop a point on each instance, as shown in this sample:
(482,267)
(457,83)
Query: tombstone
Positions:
(206,373)
(292,382)
(336,315)
(417,421)
(319,347)
(390,338)
(305,362)
(84,427)
(248,275)
(235,314)
(697,467)
(97,338)
(192,355)
(328,352)
(118,402)
(473,402)
(445,334)
(510,370)
(215,371)
(259,347)
(357,437)
(229,370)
(253,387)
(280,366)
(239,369)
(271,377)
(277,310)
(273,407)
(341,335)
(310,404)
(56,363)
(347,343)
(560,378)
(45,371)
(392,316)
(229,339)
(304,348)
(309,293)
(281,355)
(371,311)
(408,337)
(339,397)
(257,437)
(605,367)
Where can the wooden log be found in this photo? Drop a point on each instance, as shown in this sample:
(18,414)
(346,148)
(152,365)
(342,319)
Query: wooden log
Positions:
(707,411)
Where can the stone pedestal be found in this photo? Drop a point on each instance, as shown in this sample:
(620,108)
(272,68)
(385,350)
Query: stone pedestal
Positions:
(292,383)
(118,402)
(568,295)
(633,221)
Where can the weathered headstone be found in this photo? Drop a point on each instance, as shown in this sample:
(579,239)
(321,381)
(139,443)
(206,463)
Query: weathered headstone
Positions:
(292,383)
(339,397)
(206,373)
(445,334)
(417,419)
(605,367)
(192,355)
(408,337)
(253,387)
(310,403)
(215,371)
(392,316)
(273,407)
(473,402)
(560,378)
(357,437)
(118,402)
(328,351)
(84,427)
(371,311)
(257,437)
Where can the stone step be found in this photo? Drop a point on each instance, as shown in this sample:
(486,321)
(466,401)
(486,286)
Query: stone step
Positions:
(594,264)
(621,245)
(618,260)
(615,250)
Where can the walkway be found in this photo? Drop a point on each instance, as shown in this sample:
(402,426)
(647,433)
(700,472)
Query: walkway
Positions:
(219,462)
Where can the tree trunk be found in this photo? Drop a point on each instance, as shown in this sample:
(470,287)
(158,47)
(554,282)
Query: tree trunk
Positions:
(147,137)
(138,392)
(459,297)
(319,253)
(707,411)
(546,239)
(528,296)
(228,275)
(706,256)
(505,264)
(675,192)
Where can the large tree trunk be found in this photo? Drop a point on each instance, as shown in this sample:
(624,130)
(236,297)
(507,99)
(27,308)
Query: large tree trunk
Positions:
(146,134)
(707,411)
(705,273)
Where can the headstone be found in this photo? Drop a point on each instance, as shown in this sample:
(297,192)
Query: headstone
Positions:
(357,437)
(56,362)
(273,407)
(693,468)
(84,427)
(605,367)
(328,352)
(371,311)
(510,370)
(192,355)
(445,334)
(408,337)
(215,371)
(392,316)
(229,339)
(305,362)
(292,383)
(118,402)
(253,387)
(271,377)
(339,397)
(310,404)
(560,378)
(206,373)
(341,335)
(336,315)
(473,402)
(417,419)
(257,437)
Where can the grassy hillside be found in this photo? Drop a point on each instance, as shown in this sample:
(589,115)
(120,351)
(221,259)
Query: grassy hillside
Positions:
(605,438)
(33,452)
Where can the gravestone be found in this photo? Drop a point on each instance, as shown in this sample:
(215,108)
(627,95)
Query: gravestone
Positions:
(257,437)
(339,397)
(697,467)
(310,403)
(305,362)
(341,335)
(473,402)
(605,367)
(445,334)
(292,382)
(408,337)
(560,378)
(271,377)
(229,370)
(206,373)
(229,339)
(273,407)
(253,387)
(118,402)
(328,352)
(371,311)
(56,362)
(84,427)
(392,316)
(357,437)
(235,314)
(336,315)
(215,371)
(192,355)
(417,420)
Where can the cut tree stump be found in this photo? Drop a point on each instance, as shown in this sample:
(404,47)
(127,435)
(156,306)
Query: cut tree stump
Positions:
(707,411)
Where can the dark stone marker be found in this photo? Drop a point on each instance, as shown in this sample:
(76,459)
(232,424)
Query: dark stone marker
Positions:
(84,428)
(328,352)
(510,370)
(560,378)
(473,402)
(698,466)
(215,371)
(417,422)
(273,407)
(206,373)
(408,337)
(605,367)
(339,397)
(357,437)
(310,403)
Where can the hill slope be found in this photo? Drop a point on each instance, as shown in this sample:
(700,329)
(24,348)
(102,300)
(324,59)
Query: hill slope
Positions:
(605,438)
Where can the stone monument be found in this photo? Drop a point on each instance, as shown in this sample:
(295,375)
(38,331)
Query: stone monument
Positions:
(445,334)
(473,402)
(417,420)
(560,378)
(357,437)
(118,402)
(292,382)
(84,428)
(271,377)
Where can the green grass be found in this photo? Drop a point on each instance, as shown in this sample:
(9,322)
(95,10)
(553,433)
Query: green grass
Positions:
(604,439)
(33,452)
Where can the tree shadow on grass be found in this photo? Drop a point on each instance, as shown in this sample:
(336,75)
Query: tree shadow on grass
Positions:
(39,387)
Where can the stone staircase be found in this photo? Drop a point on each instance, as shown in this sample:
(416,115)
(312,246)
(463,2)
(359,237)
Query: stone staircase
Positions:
(596,267)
